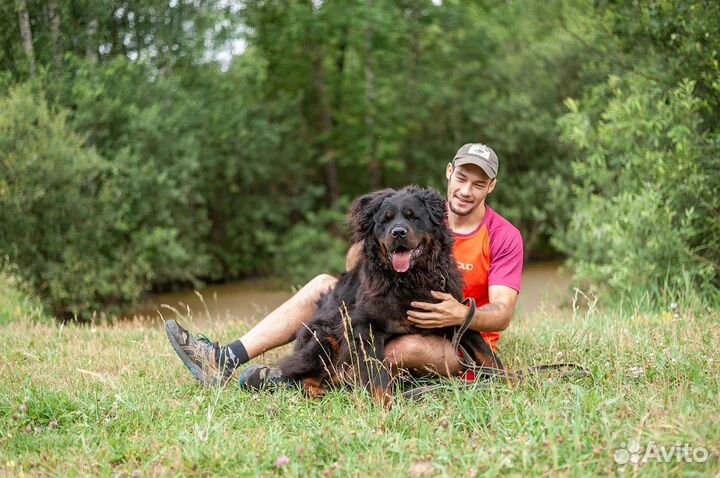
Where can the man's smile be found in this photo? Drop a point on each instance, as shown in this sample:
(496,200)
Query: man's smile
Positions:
(467,202)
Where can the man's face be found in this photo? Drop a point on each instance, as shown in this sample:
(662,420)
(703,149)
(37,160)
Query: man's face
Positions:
(468,186)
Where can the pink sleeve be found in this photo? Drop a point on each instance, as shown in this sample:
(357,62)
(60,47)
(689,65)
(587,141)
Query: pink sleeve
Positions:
(506,257)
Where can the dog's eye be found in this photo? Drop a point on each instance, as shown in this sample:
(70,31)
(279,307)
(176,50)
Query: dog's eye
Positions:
(410,216)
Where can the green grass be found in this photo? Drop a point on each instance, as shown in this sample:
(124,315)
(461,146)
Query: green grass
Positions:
(108,400)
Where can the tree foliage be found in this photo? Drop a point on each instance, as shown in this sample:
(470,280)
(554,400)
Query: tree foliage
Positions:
(205,141)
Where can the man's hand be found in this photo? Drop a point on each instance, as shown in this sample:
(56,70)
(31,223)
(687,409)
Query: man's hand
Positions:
(446,313)
(492,317)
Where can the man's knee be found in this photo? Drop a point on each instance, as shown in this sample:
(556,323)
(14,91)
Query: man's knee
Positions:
(422,354)
(317,286)
(322,282)
(404,348)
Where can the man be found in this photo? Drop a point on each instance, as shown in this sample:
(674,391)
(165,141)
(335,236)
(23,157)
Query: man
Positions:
(487,248)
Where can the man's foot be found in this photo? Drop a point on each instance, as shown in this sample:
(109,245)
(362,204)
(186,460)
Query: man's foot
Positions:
(199,354)
(261,377)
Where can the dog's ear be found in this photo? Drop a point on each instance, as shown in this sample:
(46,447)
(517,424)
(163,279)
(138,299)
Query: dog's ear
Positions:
(362,210)
(435,204)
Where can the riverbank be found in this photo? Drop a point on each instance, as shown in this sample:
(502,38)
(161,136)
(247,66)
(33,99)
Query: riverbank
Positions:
(115,401)
(545,289)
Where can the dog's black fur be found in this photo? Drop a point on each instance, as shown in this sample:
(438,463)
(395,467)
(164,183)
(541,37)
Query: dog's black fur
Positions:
(376,294)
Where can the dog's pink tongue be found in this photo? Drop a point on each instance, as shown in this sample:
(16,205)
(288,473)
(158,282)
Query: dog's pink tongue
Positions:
(401,261)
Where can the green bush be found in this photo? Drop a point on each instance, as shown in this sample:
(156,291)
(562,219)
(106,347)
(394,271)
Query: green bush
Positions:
(16,300)
(143,127)
(645,198)
(76,225)
(310,248)
(48,184)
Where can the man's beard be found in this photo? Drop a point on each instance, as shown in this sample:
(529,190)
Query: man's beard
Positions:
(461,213)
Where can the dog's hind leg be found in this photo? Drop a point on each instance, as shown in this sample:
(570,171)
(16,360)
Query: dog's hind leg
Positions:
(303,362)
(373,372)
(312,365)
(314,356)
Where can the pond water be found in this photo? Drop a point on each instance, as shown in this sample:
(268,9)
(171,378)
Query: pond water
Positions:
(545,287)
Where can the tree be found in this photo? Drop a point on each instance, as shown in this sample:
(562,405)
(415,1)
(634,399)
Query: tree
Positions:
(26,33)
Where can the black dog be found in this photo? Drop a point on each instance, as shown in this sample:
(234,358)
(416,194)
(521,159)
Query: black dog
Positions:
(407,252)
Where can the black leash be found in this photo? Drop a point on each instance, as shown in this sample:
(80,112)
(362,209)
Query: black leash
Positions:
(457,336)
(568,369)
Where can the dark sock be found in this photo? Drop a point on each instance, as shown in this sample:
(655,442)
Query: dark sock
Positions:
(232,355)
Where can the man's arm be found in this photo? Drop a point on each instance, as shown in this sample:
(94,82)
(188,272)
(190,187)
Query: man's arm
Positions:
(495,316)
(492,317)
(354,254)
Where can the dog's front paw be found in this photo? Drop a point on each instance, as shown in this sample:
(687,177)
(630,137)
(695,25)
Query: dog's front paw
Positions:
(382,397)
(314,387)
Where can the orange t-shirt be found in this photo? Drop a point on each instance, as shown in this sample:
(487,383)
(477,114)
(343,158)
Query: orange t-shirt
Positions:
(490,255)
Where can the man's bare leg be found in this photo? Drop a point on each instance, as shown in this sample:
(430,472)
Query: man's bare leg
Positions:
(279,326)
(422,355)
(211,363)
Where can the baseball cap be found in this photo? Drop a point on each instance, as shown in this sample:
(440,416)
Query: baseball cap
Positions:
(479,155)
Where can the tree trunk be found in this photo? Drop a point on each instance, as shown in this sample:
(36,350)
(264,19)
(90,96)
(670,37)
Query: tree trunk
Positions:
(411,96)
(54,17)
(326,121)
(116,25)
(374,165)
(531,240)
(326,129)
(91,48)
(26,33)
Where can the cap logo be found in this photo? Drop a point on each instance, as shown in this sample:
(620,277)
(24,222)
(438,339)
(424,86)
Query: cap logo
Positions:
(480,150)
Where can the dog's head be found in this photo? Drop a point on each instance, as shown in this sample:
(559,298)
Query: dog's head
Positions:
(406,227)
